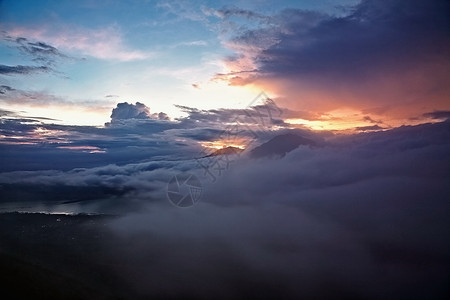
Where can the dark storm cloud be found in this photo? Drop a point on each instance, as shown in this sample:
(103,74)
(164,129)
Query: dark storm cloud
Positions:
(23,70)
(391,54)
(376,32)
(443,114)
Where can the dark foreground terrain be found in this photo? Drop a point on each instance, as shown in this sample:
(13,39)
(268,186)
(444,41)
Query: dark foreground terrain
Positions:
(56,257)
(45,256)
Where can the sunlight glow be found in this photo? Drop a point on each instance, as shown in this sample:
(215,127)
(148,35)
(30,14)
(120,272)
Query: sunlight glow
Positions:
(337,120)
(89,149)
(224,143)
(66,114)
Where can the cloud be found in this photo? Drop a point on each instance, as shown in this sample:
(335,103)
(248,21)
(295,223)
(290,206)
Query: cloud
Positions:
(5,112)
(130,111)
(192,43)
(40,51)
(139,111)
(39,48)
(104,43)
(442,114)
(369,119)
(29,143)
(23,70)
(392,54)
(235,11)
(340,161)
(5,88)
(182,10)
(369,128)
(110,188)
(43,98)
(161,116)
(263,113)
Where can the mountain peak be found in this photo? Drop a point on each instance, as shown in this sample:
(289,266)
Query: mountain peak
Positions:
(280,145)
(230,150)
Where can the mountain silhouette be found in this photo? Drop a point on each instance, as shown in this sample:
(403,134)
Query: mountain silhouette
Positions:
(230,150)
(280,145)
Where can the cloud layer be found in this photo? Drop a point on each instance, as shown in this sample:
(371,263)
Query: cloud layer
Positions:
(352,219)
(363,215)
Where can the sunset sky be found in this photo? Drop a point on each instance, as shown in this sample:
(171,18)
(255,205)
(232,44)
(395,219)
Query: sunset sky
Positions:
(376,63)
(97,53)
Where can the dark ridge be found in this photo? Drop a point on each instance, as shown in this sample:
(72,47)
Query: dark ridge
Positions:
(230,150)
(280,145)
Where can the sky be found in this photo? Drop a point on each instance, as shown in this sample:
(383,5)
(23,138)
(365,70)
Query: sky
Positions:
(103,52)
(73,61)
(319,132)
